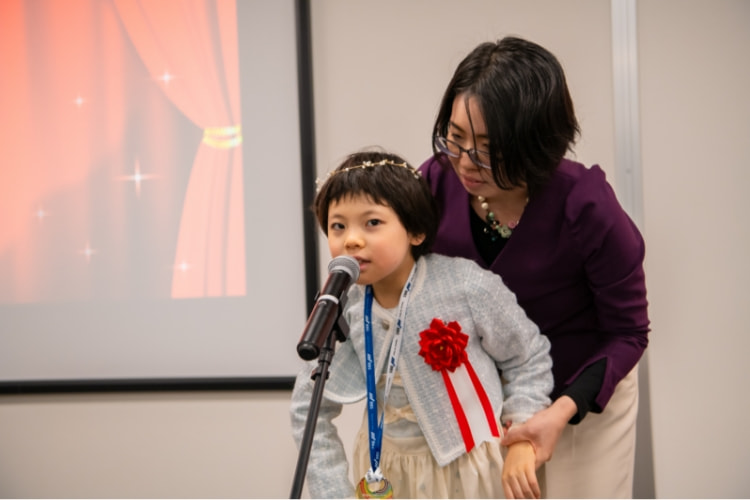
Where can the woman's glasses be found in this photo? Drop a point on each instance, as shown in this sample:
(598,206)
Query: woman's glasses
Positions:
(454,150)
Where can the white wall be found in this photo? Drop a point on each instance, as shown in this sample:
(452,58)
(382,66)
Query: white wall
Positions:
(190,445)
(380,68)
(695,126)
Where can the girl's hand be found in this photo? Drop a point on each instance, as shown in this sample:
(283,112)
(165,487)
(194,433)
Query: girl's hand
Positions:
(543,429)
(519,475)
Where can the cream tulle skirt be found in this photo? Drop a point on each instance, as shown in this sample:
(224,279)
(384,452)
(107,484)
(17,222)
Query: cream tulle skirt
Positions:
(408,464)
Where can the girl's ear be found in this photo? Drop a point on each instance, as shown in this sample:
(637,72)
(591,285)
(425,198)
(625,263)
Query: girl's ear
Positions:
(417,240)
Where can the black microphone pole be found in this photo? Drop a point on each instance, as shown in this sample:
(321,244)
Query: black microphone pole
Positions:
(339,331)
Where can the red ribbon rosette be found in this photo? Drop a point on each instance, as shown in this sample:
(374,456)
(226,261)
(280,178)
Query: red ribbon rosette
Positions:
(442,346)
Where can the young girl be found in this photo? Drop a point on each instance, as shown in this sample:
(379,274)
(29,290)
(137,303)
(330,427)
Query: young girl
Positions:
(427,336)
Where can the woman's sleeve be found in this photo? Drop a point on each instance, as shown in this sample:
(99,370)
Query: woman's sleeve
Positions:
(584,390)
(613,251)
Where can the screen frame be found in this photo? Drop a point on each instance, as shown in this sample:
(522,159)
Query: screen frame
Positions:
(303,44)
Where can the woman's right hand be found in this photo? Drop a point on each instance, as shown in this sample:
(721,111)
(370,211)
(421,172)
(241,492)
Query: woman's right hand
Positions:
(543,429)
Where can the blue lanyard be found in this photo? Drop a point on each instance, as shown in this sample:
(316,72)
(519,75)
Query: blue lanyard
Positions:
(375,424)
(375,435)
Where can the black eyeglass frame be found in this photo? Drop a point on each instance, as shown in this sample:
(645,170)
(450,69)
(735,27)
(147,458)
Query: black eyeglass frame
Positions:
(442,144)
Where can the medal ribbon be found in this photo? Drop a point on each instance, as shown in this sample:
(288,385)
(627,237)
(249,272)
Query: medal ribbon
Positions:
(375,424)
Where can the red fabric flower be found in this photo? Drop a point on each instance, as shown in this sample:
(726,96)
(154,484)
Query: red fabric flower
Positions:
(442,346)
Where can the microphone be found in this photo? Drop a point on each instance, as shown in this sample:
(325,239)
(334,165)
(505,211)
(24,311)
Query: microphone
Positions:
(342,272)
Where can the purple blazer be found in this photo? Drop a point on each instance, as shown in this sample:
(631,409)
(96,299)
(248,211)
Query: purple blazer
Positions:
(575,263)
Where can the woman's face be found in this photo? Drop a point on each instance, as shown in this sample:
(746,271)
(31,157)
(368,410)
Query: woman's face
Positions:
(468,129)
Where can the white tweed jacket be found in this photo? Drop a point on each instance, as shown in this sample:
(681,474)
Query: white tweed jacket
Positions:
(500,336)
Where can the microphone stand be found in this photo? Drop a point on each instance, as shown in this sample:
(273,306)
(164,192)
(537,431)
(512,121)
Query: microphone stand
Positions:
(340,332)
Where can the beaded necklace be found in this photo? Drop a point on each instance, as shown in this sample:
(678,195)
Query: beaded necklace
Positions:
(494,227)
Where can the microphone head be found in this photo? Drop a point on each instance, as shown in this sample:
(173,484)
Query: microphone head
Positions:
(347,264)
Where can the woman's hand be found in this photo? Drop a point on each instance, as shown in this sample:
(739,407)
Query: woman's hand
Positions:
(519,474)
(543,429)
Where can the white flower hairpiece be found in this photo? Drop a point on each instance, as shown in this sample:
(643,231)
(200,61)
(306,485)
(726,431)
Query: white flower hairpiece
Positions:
(369,164)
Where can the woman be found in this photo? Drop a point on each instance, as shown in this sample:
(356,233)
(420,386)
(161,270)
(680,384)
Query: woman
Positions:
(555,232)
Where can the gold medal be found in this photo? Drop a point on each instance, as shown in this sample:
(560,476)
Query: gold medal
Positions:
(377,489)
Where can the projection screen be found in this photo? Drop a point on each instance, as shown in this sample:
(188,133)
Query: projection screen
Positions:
(152,218)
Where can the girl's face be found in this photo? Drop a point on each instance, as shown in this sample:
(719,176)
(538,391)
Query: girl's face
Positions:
(468,129)
(372,234)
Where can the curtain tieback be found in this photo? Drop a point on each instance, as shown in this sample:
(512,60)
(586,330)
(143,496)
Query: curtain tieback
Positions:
(223,137)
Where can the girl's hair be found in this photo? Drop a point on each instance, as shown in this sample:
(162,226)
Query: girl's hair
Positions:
(521,90)
(388,180)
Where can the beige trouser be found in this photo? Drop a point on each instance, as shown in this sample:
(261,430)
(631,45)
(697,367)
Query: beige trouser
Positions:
(595,459)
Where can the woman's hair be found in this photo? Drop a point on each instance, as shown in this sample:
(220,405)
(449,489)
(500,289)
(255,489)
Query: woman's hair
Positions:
(388,180)
(521,91)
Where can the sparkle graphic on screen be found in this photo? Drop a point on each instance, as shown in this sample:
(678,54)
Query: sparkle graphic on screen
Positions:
(166,77)
(183,266)
(88,252)
(79,101)
(136,178)
(41,214)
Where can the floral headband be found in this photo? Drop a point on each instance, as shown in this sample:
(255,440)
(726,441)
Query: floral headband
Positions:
(369,164)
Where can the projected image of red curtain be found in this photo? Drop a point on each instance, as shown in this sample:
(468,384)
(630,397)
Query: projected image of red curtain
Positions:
(193,45)
(120,136)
